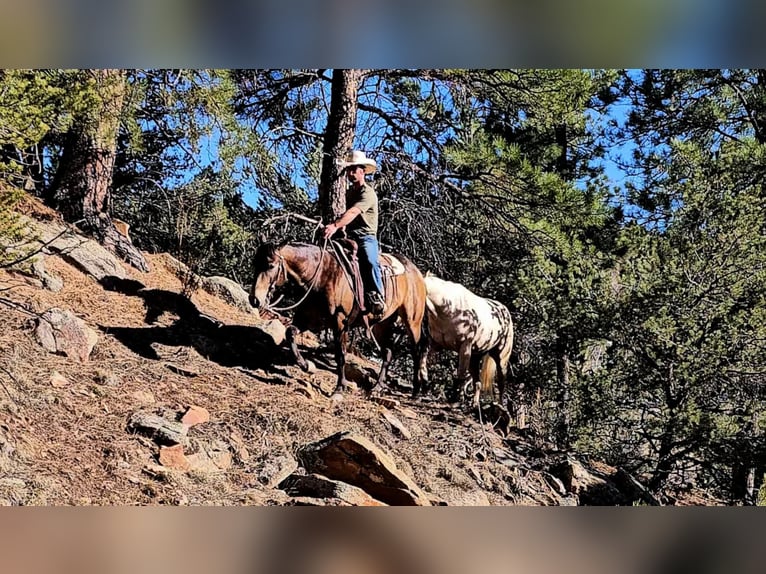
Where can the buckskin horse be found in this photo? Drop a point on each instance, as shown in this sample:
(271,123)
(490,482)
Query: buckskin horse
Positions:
(329,301)
(480,331)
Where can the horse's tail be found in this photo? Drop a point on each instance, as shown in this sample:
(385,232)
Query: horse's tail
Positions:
(487,374)
(489,365)
(507,346)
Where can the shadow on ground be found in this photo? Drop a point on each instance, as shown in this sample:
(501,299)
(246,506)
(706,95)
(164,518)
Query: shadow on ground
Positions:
(228,345)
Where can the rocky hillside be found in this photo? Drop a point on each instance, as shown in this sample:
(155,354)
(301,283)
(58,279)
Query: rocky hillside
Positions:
(115,388)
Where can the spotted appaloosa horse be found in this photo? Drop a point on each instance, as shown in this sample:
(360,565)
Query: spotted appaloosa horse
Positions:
(329,301)
(478,329)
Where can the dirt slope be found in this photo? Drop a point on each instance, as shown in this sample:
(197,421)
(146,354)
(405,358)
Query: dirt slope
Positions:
(67,442)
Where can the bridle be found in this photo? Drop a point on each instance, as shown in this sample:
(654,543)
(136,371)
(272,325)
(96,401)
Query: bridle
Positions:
(283,269)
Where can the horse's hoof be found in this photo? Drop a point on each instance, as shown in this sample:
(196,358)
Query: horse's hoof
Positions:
(337,397)
(309,367)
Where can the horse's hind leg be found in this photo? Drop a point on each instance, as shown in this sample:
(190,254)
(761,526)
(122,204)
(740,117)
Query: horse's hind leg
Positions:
(290,334)
(501,364)
(463,377)
(475,370)
(419,348)
(383,333)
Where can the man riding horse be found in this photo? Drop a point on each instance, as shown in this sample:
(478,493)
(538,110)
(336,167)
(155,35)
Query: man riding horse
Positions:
(361,219)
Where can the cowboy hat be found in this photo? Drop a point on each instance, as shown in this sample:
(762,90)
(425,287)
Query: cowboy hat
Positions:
(356,157)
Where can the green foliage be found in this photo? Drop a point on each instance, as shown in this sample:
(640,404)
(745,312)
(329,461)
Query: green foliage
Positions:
(639,307)
(12,229)
(761,500)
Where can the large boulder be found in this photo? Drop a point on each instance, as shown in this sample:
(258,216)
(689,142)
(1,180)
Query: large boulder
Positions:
(355,460)
(229,291)
(49,280)
(60,331)
(318,486)
(85,254)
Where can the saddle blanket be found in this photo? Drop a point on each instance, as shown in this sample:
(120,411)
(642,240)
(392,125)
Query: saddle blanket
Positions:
(390,265)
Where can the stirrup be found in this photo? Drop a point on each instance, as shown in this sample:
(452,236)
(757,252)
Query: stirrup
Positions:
(376,305)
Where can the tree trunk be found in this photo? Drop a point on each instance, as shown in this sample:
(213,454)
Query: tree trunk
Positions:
(666,459)
(562,162)
(84,177)
(745,483)
(562,377)
(339,137)
(759,113)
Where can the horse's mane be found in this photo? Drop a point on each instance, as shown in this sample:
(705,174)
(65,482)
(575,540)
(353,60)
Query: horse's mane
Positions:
(298,244)
(266,249)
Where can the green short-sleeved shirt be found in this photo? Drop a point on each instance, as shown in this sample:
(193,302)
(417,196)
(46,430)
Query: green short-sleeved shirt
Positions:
(366,223)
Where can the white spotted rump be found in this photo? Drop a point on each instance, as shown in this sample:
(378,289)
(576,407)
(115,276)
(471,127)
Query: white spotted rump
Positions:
(461,321)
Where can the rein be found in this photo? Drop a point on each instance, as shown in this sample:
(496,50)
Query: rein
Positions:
(312,281)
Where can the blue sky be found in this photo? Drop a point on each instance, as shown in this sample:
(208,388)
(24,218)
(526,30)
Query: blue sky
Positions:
(208,150)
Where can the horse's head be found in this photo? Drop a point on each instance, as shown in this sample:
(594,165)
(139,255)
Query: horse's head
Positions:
(269,272)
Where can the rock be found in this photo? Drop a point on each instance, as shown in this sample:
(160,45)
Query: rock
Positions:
(240,449)
(314,501)
(195,415)
(633,489)
(308,340)
(407,412)
(274,329)
(143,397)
(274,470)
(122,227)
(210,461)
(184,371)
(60,331)
(396,424)
(470,498)
(305,389)
(353,459)
(107,379)
(13,492)
(162,430)
(58,380)
(357,374)
(387,402)
(229,291)
(49,281)
(318,486)
(85,254)
(591,488)
(556,485)
(174,457)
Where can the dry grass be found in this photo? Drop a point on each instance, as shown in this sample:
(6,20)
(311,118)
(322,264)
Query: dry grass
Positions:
(69,444)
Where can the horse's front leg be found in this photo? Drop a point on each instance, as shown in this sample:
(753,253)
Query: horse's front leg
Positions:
(341,344)
(380,384)
(290,334)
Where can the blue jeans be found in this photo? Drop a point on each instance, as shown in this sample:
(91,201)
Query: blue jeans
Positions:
(368,263)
